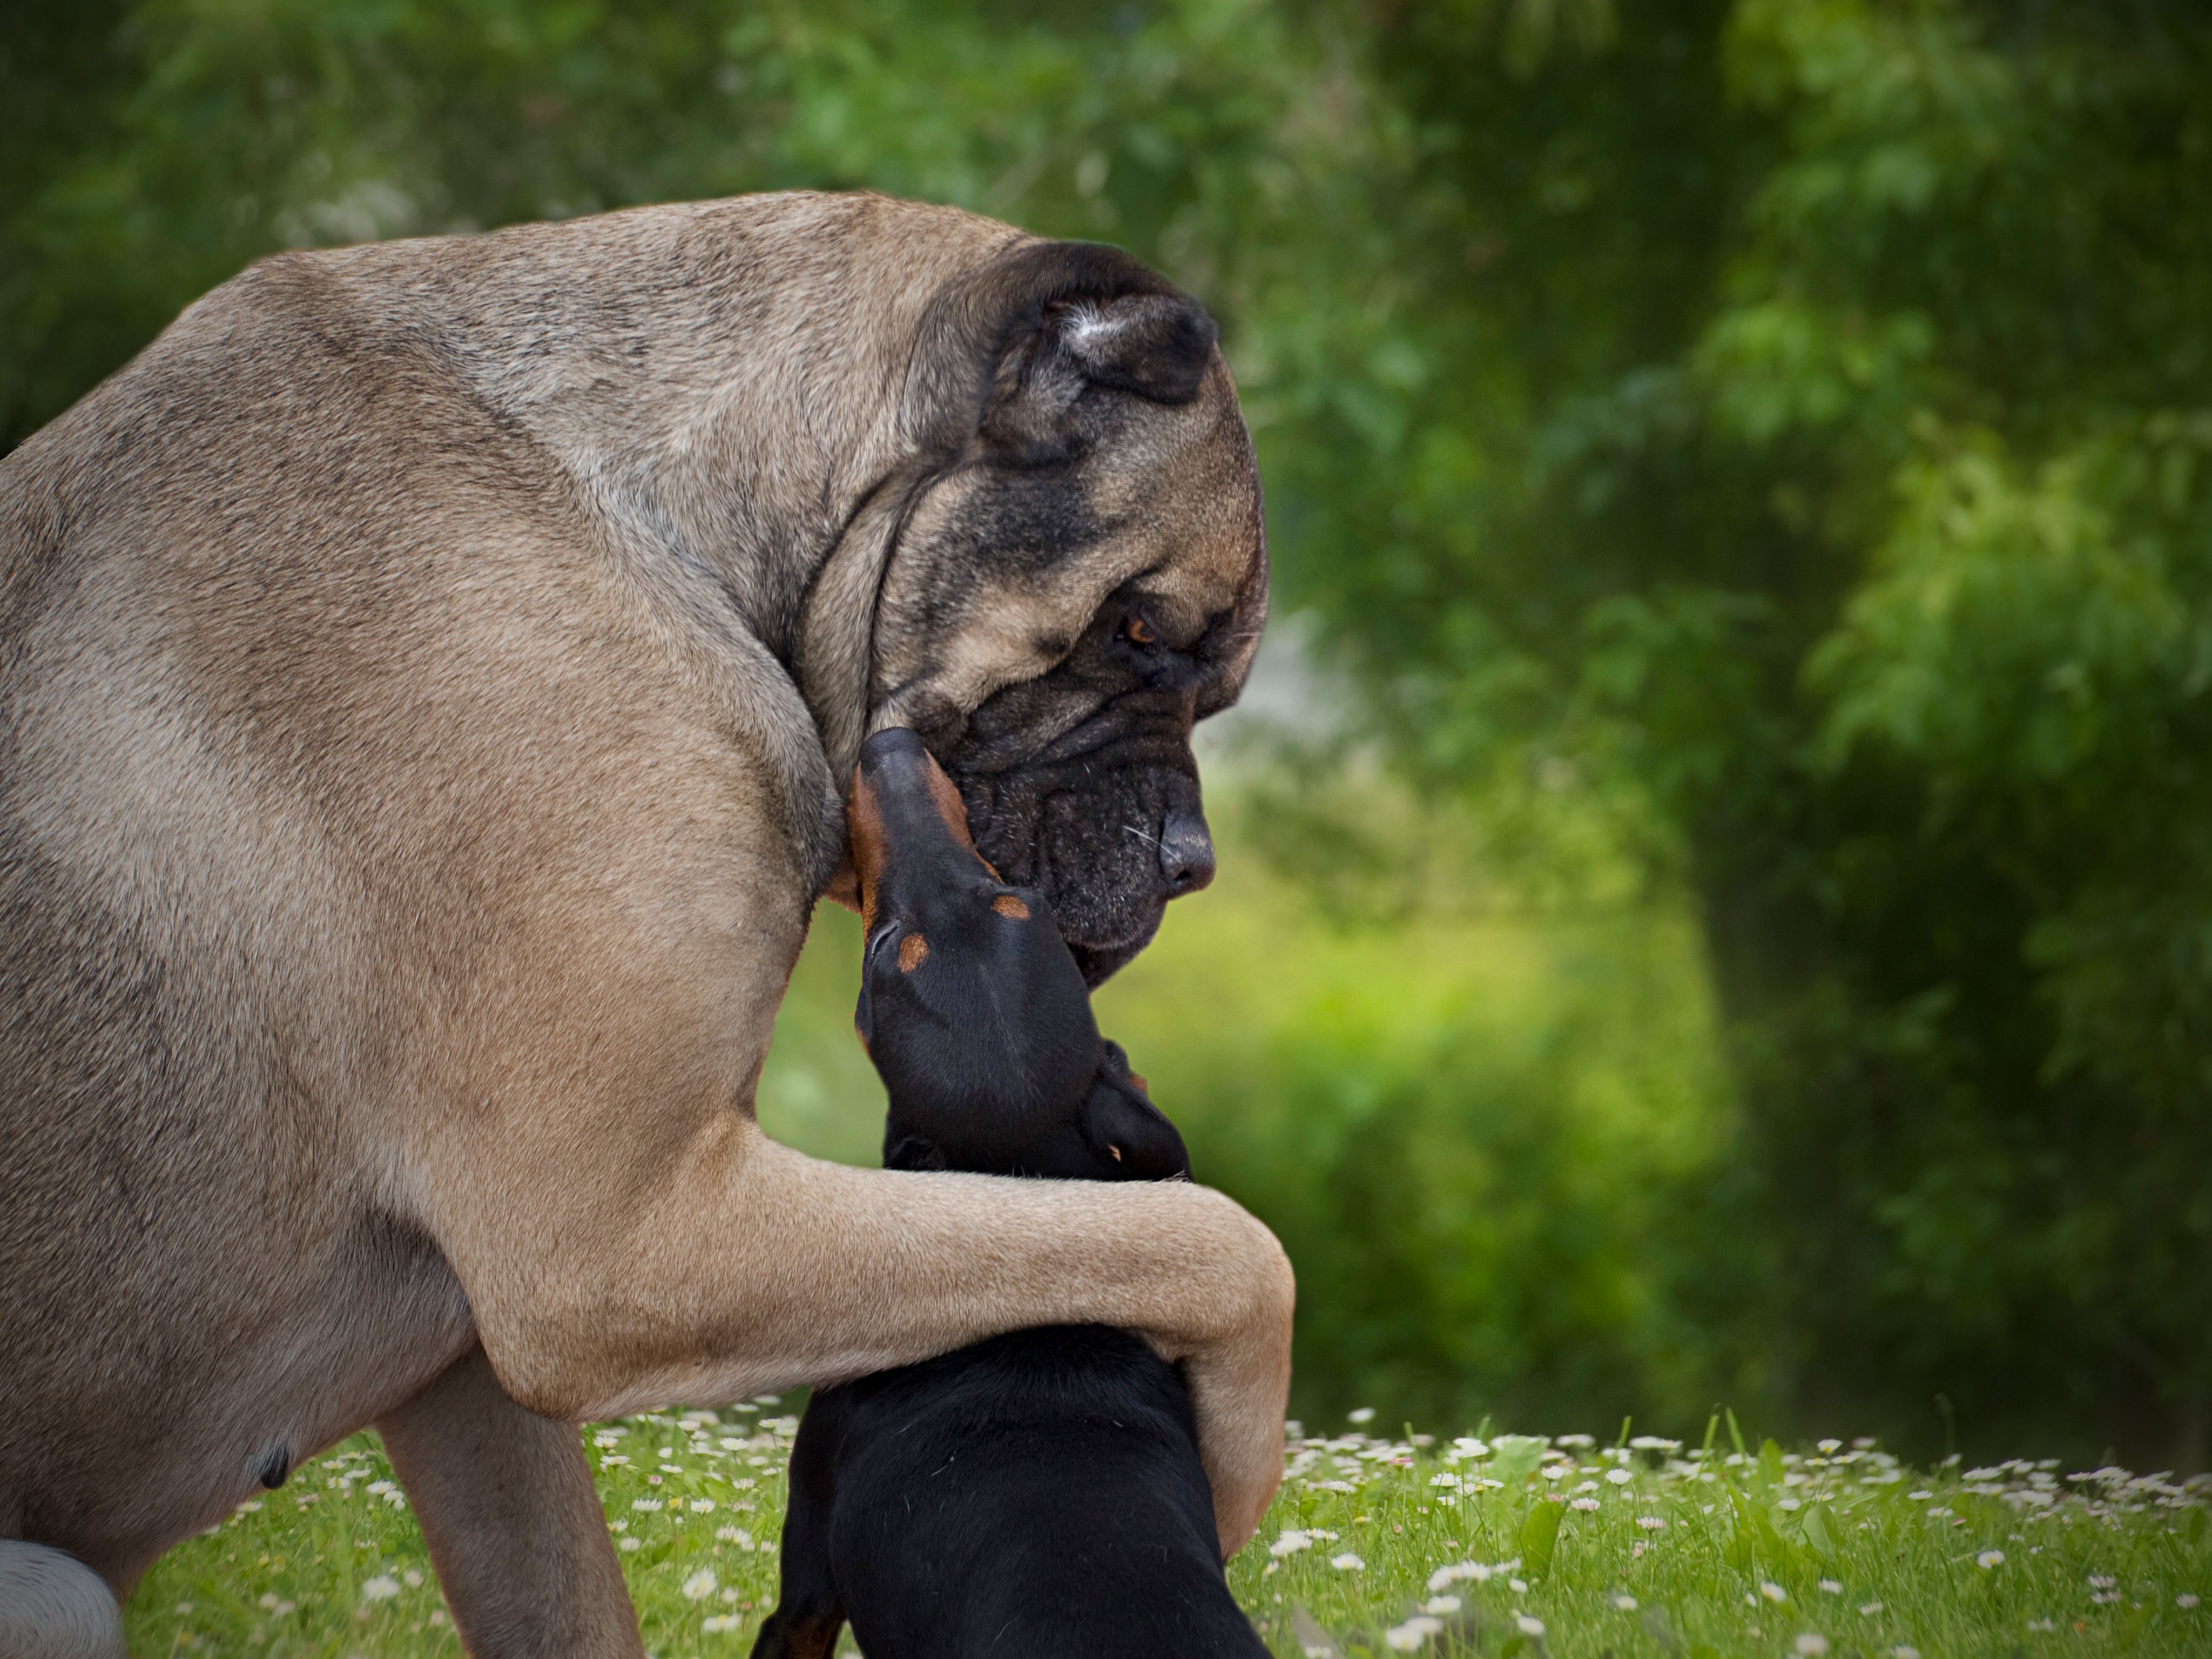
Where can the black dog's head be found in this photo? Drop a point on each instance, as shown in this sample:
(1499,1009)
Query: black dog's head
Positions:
(971,1006)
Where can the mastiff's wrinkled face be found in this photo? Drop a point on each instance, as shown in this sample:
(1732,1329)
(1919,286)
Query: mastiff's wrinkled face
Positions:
(1087,578)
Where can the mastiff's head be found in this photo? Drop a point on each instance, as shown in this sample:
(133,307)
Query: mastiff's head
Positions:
(1082,579)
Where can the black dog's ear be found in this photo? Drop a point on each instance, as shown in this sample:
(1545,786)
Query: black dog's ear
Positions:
(1114,1061)
(912,1153)
(1124,1128)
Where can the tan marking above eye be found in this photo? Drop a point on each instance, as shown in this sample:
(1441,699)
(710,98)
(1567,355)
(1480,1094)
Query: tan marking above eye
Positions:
(1011,907)
(913,950)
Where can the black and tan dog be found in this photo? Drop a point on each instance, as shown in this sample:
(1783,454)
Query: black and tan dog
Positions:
(1040,1491)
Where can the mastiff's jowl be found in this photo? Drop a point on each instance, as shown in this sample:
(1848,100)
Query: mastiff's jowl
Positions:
(428,676)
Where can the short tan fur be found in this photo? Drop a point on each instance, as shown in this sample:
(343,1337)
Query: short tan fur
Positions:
(426,673)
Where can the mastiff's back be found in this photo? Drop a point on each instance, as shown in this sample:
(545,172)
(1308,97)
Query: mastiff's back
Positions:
(337,705)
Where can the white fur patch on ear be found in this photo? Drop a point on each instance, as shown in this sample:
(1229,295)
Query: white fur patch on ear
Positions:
(1157,345)
(1088,327)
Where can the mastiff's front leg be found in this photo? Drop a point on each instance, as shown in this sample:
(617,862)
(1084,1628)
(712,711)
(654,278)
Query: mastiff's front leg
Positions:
(582,1150)
(513,1523)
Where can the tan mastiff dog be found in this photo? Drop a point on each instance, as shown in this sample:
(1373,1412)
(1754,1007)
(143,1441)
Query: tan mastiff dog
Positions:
(427,674)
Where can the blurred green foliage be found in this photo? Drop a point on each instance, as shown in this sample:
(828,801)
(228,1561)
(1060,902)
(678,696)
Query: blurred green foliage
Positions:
(1826,485)
(1752,462)
(1488,1137)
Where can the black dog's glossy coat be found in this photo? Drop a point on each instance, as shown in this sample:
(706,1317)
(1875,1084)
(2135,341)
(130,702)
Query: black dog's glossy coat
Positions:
(1041,1492)
(1038,1493)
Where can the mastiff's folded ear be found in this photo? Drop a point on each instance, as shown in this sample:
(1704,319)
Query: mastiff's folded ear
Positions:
(1155,346)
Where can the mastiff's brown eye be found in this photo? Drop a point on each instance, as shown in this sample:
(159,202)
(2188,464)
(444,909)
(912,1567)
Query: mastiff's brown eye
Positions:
(1137,631)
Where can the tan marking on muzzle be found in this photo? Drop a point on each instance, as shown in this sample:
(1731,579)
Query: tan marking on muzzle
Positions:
(944,796)
(864,827)
(869,846)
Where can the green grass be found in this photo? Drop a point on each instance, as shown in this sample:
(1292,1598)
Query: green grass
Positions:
(1702,1555)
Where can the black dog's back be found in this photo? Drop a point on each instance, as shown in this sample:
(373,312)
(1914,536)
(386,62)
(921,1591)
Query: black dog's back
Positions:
(1036,1493)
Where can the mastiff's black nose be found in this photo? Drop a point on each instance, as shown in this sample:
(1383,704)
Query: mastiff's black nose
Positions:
(1186,852)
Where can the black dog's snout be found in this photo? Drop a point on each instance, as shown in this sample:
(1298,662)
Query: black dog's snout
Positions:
(1186,852)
